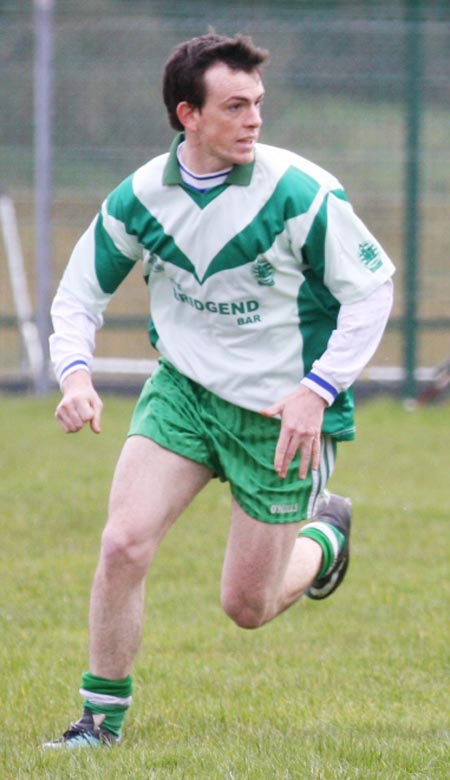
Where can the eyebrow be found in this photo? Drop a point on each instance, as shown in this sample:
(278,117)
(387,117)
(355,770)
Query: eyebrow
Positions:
(242,99)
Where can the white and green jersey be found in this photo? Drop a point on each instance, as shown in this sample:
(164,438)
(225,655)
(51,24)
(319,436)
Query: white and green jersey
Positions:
(246,279)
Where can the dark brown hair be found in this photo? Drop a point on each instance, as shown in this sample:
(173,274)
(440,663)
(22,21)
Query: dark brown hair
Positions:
(183,75)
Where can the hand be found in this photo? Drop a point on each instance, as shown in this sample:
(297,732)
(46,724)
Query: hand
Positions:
(80,404)
(301,415)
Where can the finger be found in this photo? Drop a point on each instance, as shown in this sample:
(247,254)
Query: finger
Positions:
(280,451)
(83,414)
(272,411)
(305,459)
(315,455)
(285,452)
(67,422)
(95,422)
(64,415)
(74,415)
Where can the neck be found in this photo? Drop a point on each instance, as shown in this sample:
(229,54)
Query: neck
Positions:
(197,163)
(200,181)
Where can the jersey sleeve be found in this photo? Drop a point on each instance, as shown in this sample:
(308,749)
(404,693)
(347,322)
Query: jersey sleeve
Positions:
(105,254)
(350,264)
(72,342)
(342,251)
(360,327)
(100,261)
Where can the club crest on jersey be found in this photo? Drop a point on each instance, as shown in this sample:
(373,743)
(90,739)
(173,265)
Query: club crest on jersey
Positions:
(151,264)
(264,272)
(156,264)
(369,255)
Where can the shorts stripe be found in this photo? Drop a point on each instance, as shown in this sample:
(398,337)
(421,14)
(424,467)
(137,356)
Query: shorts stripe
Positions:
(322,475)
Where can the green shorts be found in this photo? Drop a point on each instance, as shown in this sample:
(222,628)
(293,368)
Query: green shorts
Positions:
(237,444)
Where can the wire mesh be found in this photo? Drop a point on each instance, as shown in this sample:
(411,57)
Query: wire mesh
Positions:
(336,93)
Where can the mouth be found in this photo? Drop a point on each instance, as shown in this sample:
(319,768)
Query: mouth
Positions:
(248,143)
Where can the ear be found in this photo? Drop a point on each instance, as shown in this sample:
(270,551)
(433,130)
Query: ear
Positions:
(187,115)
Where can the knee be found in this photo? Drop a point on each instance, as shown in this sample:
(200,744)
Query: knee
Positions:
(121,549)
(244,611)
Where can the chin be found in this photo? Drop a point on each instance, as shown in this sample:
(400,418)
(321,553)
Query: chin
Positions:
(244,158)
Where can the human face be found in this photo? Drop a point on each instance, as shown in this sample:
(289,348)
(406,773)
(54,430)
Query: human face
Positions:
(224,130)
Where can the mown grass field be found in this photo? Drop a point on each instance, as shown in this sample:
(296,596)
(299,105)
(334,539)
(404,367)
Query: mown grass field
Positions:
(354,688)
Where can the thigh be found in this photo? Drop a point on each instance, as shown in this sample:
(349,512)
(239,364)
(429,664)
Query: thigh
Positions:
(171,412)
(257,556)
(150,489)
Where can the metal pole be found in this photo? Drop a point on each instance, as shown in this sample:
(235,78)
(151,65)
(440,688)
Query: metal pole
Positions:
(414,108)
(43,14)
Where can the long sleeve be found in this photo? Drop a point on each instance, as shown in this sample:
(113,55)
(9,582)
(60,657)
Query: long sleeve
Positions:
(72,343)
(352,344)
(100,261)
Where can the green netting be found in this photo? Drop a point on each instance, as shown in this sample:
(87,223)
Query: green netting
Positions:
(337,92)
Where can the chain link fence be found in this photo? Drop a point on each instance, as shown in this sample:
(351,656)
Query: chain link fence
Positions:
(339,91)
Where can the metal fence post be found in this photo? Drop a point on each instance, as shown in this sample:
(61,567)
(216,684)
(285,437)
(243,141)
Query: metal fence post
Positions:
(43,14)
(414,108)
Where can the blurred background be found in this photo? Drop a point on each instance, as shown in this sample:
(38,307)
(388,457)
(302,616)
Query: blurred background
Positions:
(361,88)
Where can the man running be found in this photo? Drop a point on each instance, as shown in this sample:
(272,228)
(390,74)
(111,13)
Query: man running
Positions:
(268,296)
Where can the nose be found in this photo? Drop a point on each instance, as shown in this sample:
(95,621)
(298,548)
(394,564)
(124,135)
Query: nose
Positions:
(254,118)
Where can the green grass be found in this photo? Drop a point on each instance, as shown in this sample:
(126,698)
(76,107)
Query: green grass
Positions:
(355,688)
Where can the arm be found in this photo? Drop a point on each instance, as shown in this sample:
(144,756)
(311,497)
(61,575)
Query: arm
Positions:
(100,261)
(72,347)
(360,327)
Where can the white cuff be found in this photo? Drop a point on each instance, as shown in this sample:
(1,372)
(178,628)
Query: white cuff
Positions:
(320,386)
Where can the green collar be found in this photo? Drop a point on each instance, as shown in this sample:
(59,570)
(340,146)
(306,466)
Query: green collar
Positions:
(240,175)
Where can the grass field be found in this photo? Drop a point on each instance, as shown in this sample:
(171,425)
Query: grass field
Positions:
(354,688)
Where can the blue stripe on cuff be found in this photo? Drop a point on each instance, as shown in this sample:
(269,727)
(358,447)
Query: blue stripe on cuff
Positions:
(326,385)
(75,363)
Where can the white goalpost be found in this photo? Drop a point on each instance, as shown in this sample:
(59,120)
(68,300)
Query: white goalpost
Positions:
(22,303)
(35,358)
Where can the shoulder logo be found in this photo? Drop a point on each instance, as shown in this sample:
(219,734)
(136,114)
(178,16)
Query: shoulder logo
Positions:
(369,254)
(264,272)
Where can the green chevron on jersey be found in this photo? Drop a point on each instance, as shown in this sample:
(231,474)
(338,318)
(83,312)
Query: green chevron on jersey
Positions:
(245,285)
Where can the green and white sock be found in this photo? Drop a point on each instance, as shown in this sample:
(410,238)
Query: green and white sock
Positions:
(330,539)
(110,698)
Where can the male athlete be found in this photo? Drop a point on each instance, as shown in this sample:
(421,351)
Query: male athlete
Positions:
(268,296)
